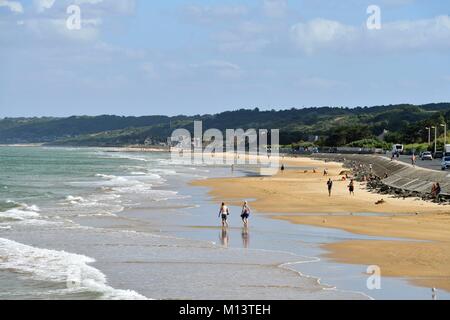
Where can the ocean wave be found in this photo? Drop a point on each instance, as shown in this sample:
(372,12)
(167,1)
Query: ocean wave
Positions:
(75,200)
(8,204)
(20,213)
(59,267)
(117,155)
(166,172)
(100,204)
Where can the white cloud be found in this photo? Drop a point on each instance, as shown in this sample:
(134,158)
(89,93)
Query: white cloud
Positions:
(209,14)
(397,2)
(42,5)
(275,8)
(14,6)
(223,69)
(245,37)
(322,34)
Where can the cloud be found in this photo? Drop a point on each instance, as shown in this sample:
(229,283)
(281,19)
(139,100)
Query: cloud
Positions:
(322,34)
(42,5)
(397,2)
(89,7)
(209,14)
(223,69)
(149,70)
(275,8)
(56,29)
(13,6)
(246,36)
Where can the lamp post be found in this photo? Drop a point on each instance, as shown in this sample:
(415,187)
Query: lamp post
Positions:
(445,132)
(429,135)
(435,139)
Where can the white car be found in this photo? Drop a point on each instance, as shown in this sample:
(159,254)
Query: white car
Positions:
(445,164)
(426,156)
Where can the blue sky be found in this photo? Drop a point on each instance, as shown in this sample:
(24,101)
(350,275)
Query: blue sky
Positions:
(136,57)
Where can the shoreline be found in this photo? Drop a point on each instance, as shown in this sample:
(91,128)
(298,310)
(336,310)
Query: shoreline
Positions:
(422,257)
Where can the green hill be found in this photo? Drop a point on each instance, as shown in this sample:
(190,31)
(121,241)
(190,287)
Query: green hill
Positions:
(334,126)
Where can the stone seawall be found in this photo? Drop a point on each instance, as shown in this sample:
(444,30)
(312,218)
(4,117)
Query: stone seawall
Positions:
(400,175)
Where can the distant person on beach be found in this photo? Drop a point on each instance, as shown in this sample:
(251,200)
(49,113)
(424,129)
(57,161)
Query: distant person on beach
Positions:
(436,190)
(282,168)
(224,213)
(351,187)
(245,214)
(330,187)
(413,160)
(371,168)
(325,172)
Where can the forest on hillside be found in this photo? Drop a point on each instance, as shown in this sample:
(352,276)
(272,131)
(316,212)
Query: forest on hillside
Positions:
(325,126)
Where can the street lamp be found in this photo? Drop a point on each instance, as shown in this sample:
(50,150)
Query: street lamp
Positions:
(435,139)
(445,132)
(429,135)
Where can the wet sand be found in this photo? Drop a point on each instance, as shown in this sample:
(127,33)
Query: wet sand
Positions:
(302,198)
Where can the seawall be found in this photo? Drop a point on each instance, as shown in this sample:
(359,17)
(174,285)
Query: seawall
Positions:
(400,175)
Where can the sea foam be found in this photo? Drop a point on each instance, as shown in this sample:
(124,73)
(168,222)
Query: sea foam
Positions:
(59,267)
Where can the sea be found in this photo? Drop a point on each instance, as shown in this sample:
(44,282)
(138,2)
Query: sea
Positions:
(105,224)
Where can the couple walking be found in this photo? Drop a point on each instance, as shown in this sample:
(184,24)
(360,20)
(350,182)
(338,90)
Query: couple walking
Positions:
(225,212)
(351,187)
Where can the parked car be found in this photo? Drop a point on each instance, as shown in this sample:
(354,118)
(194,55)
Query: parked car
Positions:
(426,156)
(445,164)
(439,155)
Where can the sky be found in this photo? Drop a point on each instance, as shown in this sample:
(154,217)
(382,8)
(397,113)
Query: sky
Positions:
(140,57)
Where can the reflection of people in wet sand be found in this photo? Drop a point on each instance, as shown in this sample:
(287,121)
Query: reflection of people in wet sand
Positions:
(223,214)
(245,238)
(245,214)
(224,238)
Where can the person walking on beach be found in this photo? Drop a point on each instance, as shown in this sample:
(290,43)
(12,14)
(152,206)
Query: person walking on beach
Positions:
(351,187)
(245,214)
(224,213)
(436,190)
(413,159)
(330,186)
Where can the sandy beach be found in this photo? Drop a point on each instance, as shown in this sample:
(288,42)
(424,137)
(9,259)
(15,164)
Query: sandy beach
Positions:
(301,197)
